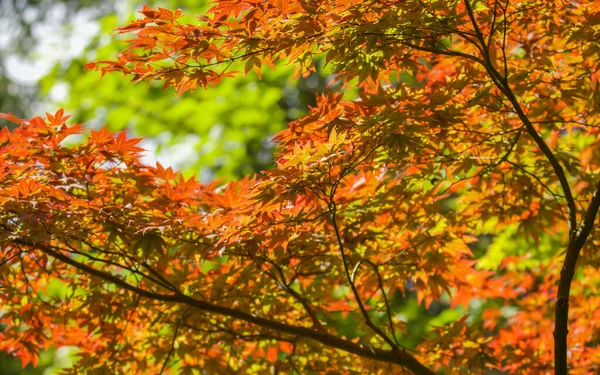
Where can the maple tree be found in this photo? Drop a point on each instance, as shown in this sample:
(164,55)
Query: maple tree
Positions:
(472,121)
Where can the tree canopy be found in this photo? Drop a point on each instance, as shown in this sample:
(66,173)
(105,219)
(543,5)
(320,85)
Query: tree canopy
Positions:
(456,167)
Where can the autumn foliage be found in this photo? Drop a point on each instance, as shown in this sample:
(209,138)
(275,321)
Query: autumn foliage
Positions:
(458,122)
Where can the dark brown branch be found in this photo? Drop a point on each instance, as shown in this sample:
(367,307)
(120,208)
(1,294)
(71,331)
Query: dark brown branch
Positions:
(502,84)
(285,286)
(175,334)
(361,306)
(493,27)
(394,356)
(444,52)
(385,299)
(558,169)
(478,33)
(561,319)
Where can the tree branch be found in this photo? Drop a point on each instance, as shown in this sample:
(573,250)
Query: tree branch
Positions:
(502,84)
(394,356)
(349,278)
(385,299)
(175,334)
(561,317)
(285,286)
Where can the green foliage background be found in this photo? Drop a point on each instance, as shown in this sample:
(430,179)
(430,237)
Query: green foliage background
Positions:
(226,127)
